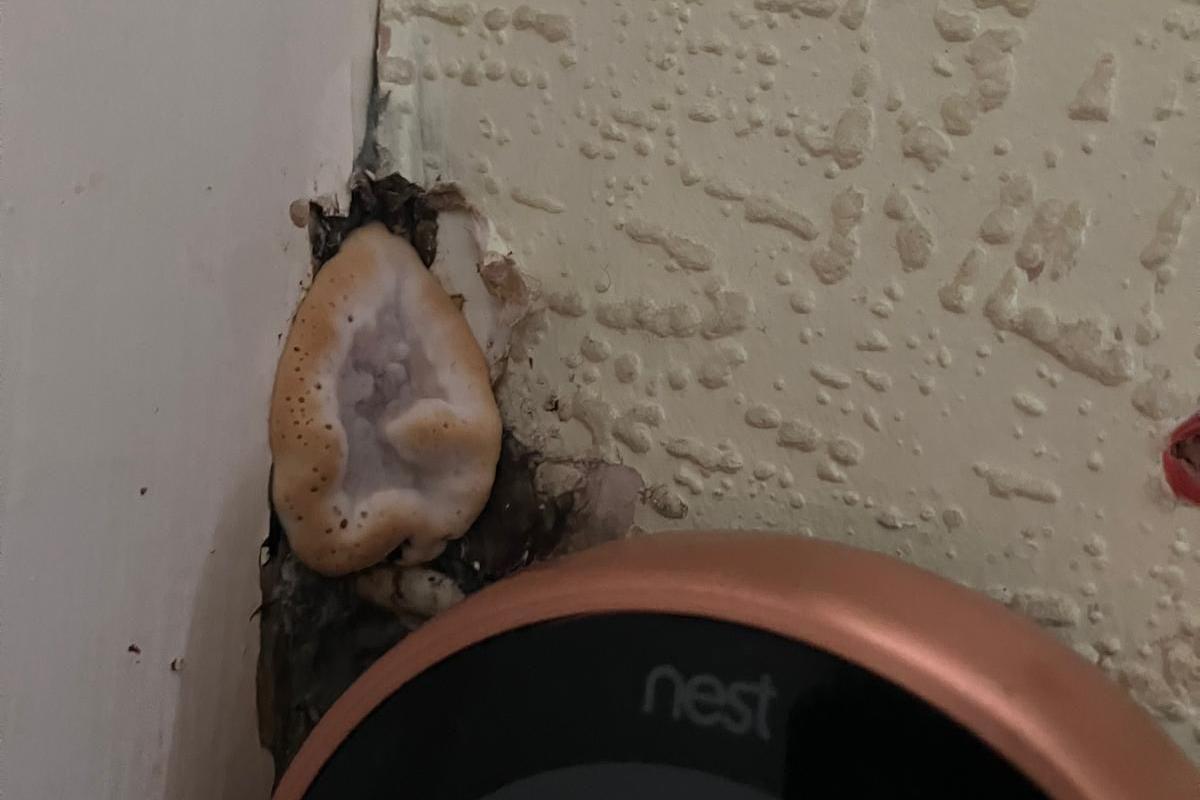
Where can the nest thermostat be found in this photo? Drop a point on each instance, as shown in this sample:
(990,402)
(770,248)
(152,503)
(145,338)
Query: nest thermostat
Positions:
(733,666)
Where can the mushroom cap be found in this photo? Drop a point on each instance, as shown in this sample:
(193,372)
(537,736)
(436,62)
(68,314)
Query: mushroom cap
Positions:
(383,426)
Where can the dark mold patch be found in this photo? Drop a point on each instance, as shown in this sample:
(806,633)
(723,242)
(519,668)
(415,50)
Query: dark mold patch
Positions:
(393,200)
(490,550)
(318,635)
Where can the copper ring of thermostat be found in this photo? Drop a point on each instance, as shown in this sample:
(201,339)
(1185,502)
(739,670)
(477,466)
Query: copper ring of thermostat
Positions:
(1052,715)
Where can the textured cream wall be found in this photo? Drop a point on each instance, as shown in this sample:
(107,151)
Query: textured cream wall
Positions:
(877,272)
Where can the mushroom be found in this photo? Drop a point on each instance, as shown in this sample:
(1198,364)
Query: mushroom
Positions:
(383,428)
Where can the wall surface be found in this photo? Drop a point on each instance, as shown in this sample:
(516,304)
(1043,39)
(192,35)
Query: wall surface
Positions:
(917,276)
(910,275)
(150,151)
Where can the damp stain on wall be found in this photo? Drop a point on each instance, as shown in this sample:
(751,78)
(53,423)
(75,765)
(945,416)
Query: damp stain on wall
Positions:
(921,277)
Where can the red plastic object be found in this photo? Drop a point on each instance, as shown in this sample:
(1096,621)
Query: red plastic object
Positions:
(1181,477)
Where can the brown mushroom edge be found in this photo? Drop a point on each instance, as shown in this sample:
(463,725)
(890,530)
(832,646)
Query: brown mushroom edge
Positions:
(423,470)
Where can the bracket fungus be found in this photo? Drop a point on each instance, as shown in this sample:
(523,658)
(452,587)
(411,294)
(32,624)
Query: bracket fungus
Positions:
(384,428)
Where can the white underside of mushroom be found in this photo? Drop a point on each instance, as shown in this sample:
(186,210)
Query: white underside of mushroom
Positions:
(384,429)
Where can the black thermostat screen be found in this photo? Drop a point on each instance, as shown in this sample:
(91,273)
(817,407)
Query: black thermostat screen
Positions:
(626,782)
(654,705)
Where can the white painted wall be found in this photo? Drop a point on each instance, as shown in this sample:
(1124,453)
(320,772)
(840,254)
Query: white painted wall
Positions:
(617,158)
(150,151)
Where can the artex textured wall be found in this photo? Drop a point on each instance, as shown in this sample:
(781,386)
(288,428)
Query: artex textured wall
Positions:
(916,276)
